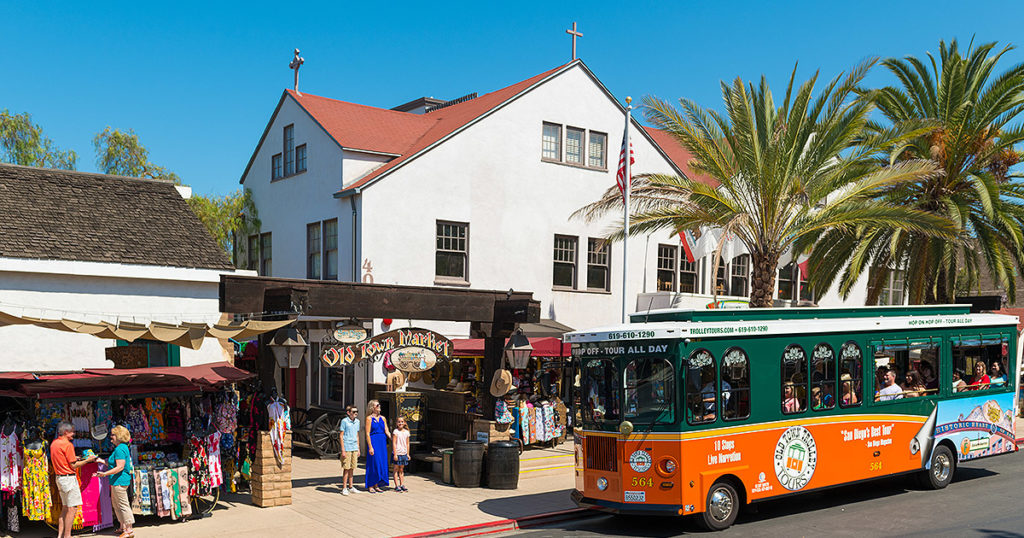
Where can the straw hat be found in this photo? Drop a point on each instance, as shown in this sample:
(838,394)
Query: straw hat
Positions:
(396,379)
(501,383)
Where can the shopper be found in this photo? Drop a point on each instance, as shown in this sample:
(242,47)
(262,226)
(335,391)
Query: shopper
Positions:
(64,461)
(121,479)
(400,443)
(349,448)
(377,437)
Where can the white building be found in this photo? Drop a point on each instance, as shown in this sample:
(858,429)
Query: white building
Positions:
(476,192)
(99,248)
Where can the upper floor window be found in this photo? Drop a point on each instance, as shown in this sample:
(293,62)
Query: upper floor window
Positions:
(689,278)
(739,284)
(565,261)
(666,268)
(598,149)
(452,255)
(598,265)
(265,255)
(786,282)
(300,159)
(331,249)
(313,250)
(289,150)
(253,253)
(721,282)
(277,172)
(551,144)
(892,285)
(574,145)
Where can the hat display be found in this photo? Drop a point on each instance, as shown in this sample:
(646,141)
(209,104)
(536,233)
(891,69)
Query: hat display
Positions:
(501,383)
(99,431)
(395,380)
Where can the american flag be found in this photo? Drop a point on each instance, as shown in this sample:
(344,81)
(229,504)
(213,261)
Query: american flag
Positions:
(620,176)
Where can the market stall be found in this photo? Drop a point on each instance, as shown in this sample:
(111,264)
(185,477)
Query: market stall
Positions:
(186,443)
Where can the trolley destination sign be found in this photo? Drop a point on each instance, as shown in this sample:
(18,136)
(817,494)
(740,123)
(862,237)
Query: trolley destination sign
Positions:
(420,349)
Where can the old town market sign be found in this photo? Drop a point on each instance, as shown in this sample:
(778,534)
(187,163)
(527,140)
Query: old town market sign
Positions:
(409,350)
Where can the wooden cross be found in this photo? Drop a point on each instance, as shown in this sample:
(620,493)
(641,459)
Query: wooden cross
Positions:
(574,35)
(295,64)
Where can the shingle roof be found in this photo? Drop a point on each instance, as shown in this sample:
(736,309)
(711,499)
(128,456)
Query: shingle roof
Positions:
(678,154)
(63,215)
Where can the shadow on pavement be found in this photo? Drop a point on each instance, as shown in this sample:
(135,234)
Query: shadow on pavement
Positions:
(999,534)
(527,505)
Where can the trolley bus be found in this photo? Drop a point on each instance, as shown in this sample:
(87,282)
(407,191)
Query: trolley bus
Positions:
(700,412)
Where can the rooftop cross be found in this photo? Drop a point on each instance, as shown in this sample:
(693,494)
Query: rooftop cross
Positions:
(574,35)
(297,62)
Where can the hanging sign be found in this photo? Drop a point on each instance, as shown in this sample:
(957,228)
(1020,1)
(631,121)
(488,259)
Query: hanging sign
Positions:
(409,350)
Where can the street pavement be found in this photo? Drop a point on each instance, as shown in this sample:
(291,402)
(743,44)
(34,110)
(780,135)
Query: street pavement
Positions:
(983,500)
(319,509)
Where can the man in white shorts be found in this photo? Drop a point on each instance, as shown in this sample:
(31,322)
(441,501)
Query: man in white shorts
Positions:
(64,461)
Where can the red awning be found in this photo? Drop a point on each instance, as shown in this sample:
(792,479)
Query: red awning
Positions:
(123,382)
(542,347)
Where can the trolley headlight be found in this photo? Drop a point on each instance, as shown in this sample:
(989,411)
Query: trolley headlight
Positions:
(666,467)
(602,483)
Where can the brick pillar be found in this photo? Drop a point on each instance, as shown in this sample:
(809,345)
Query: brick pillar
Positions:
(271,483)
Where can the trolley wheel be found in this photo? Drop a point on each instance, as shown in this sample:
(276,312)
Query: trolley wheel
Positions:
(721,508)
(323,435)
(940,473)
(204,505)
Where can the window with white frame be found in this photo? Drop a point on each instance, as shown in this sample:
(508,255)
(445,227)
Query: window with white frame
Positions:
(551,143)
(892,287)
(452,254)
(739,283)
(574,145)
(331,249)
(313,250)
(564,256)
(666,268)
(721,281)
(597,150)
(689,275)
(598,265)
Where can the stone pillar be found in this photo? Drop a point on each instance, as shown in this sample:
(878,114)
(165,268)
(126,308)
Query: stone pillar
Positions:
(271,483)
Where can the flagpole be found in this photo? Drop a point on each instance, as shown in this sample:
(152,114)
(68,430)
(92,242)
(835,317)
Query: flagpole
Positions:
(625,206)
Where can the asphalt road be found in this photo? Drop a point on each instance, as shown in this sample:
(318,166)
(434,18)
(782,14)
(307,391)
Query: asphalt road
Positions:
(983,500)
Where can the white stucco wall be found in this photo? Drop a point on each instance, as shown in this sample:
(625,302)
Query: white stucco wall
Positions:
(91,292)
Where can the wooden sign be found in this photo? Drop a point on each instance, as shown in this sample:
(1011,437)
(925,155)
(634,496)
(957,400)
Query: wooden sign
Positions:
(410,350)
(128,356)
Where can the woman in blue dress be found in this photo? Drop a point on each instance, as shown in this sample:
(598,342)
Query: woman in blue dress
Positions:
(377,436)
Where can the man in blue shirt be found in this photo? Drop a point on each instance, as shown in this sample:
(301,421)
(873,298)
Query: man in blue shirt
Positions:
(349,433)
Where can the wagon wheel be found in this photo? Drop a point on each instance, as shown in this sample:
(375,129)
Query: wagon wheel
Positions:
(300,417)
(323,435)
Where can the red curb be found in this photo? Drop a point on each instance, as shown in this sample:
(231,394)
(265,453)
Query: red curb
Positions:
(480,529)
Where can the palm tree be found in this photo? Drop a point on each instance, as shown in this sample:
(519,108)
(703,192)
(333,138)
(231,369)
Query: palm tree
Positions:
(782,172)
(965,106)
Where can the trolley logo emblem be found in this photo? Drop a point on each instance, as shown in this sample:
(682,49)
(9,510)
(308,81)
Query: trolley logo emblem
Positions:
(640,461)
(796,456)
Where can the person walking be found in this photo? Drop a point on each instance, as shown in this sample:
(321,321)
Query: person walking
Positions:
(400,444)
(377,437)
(64,461)
(121,478)
(349,448)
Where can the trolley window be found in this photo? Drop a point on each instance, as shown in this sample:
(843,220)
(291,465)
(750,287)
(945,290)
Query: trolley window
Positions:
(794,380)
(823,377)
(649,390)
(735,384)
(979,362)
(850,385)
(600,390)
(701,404)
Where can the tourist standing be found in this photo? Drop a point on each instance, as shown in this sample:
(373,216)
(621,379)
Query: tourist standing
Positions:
(121,479)
(377,437)
(400,438)
(349,448)
(64,461)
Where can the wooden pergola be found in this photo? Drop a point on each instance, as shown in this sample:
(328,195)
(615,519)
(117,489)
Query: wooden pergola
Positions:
(492,314)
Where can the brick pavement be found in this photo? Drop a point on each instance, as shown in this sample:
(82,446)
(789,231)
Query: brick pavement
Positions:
(319,509)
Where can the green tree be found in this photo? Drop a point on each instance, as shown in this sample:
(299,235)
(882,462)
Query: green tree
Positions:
(230,219)
(965,106)
(120,153)
(22,142)
(783,173)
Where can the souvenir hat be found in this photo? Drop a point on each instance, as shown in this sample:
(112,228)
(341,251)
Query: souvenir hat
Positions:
(501,383)
(99,431)
(396,379)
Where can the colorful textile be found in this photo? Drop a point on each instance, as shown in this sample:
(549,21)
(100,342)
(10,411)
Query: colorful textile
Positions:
(104,415)
(50,414)
(227,417)
(174,422)
(106,509)
(90,485)
(198,469)
(35,485)
(183,487)
(145,493)
(172,485)
(502,414)
(10,462)
(155,414)
(213,458)
(280,423)
(137,423)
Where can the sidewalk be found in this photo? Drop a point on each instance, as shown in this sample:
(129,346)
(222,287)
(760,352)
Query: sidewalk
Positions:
(319,509)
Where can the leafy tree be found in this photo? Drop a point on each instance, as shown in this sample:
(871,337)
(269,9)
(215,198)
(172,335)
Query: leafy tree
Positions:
(229,219)
(23,142)
(966,106)
(120,153)
(783,173)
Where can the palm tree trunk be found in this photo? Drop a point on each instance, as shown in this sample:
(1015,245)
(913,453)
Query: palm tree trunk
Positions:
(762,285)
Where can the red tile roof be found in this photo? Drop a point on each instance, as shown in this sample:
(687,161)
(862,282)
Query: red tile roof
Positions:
(679,155)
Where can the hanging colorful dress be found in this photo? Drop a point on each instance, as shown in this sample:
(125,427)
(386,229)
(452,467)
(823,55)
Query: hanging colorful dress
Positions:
(10,462)
(35,485)
(198,468)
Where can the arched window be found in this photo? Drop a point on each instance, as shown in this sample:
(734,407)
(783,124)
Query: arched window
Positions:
(701,404)
(735,384)
(649,394)
(794,380)
(850,375)
(823,377)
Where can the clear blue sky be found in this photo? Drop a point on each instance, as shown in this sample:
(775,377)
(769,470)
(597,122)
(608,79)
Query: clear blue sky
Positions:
(198,81)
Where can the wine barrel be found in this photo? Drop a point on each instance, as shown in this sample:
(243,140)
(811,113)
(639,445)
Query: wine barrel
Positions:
(503,465)
(467,462)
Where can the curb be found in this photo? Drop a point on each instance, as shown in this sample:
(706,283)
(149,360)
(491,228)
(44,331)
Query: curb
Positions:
(505,525)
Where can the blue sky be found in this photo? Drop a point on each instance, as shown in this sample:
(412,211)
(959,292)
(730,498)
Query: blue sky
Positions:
(198,81)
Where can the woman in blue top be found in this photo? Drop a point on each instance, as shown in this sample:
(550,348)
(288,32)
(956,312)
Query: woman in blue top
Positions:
(377,436)
(121,478)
